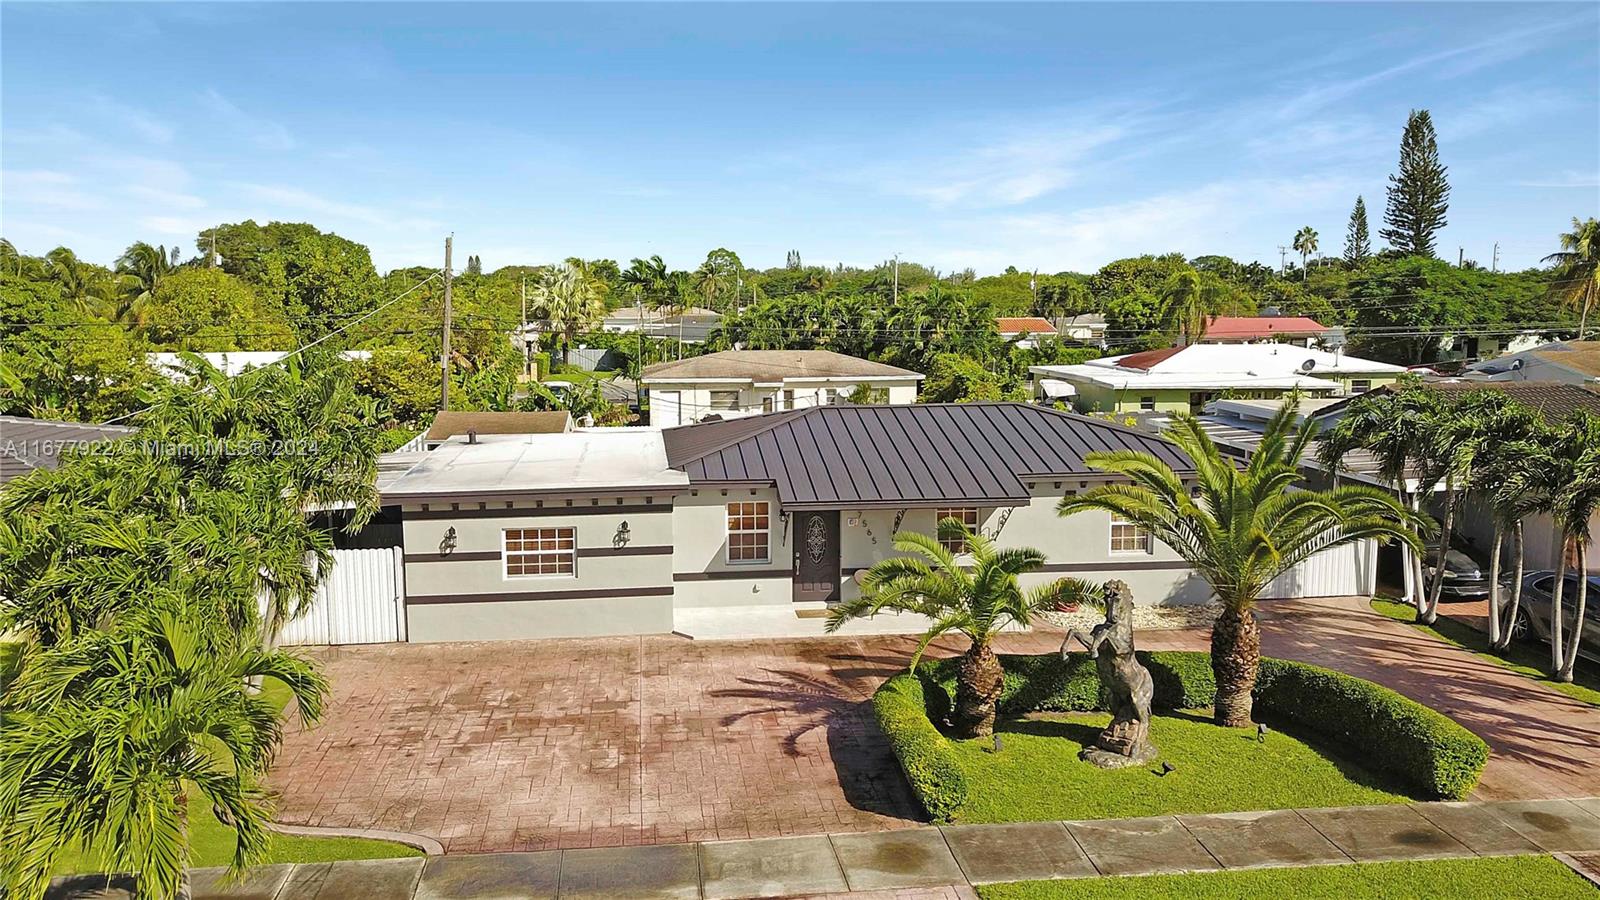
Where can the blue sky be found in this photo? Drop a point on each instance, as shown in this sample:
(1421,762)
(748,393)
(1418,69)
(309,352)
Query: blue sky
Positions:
(1048,136)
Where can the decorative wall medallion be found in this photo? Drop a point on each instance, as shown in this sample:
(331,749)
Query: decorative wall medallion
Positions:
(816,539)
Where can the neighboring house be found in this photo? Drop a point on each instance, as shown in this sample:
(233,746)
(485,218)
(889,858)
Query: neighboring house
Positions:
(1571,362)
(29,444)
(609,531)
(692,325)
(736,383)
(1187,378)
(1252,329)
(1475,347)
(233,362)
(462,425)
(1024,330)
(1089,328)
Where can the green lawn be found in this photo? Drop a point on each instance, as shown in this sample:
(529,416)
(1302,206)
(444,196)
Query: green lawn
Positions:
(1449,879)
(1037,774)
(1532,660)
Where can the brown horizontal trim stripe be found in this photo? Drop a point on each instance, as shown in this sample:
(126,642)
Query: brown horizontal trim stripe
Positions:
(524,512)
(732,576)
(662,550)
(591,594)
(464,556)
(1115,565)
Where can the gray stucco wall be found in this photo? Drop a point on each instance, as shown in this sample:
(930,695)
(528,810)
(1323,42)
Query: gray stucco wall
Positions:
(466,595)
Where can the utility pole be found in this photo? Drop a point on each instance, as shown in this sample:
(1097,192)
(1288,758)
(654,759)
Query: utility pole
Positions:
(1461,256)
(527,354)
(638,321)
(211,258)
(1033,285)
(1494,262)
(1283,256)
(444,344)
(897,279)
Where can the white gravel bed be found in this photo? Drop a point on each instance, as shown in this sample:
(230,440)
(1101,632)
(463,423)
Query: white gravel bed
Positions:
(1144,617)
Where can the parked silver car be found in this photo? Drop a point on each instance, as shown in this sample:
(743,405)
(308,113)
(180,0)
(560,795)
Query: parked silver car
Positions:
(1533,620)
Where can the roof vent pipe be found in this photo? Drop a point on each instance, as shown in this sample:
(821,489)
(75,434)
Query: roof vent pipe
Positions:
(472,435)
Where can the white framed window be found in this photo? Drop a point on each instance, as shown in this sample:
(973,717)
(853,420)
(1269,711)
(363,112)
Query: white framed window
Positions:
(1148,404)
(1127,537)
(535,552)
(788,398)
(1360,385)
(966,515)
(724,400)
(749,532)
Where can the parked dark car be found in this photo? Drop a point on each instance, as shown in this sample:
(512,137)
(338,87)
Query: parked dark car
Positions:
(1533,619)
(1465,578)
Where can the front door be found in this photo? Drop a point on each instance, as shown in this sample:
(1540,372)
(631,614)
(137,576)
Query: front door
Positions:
(816,557)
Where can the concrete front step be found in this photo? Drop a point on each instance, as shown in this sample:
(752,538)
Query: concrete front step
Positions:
(953,857)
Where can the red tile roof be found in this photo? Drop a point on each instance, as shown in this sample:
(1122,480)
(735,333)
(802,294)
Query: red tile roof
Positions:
(1030,324)
(1146,359)
(1262,326)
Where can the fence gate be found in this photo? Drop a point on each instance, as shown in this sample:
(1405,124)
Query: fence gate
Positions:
(1347,571)
(362,601)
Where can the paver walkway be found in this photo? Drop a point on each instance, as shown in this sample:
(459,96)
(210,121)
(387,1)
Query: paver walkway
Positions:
(942,862)
(592,743)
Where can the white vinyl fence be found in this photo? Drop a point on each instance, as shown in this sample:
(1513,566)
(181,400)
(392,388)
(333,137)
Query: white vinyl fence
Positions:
(362,601)
(1348,571)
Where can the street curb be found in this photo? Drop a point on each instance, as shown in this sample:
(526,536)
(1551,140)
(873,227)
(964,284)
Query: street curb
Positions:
(427,845)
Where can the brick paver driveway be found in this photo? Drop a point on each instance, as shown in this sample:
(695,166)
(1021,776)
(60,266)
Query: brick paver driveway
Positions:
(578,743)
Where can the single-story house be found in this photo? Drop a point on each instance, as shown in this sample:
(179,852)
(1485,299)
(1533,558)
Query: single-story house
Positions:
(609,531)
(29,444)
(1571,362)
(1187,378)
(462,425)
(692,324)
(1250,329)
(1024,330)
(1087,328)
(736,383)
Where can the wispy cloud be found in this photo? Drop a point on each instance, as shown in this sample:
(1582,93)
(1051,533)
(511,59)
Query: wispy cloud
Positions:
(1571,178)
(132,119)
(58,191)
(301,200)
(1503,106)
(177,199)
(264,133)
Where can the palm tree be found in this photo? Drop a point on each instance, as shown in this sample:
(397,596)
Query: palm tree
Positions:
(1305,244)
(570,303)
(1190,299)
(107,736)
(142,268)
(1578,268)
(977,596)
(1577,499)
(1500,468)
(1240,528)
(1391,425)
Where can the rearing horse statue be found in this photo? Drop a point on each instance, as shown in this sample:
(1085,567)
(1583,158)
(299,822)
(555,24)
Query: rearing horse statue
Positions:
(1126,741)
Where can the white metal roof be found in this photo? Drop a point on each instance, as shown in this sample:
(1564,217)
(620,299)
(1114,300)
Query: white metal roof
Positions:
(609,459)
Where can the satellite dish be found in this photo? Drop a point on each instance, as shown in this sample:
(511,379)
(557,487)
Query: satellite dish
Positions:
(1516,364)
(1308,365)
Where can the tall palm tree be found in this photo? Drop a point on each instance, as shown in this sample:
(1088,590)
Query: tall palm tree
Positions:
(1240,528)
(976,594)
(142,268)
(570,303)
(107,736)
(1189,299)
(1391,425)
(1500,466)
(1577,499)
(1305,244)
(1577,266)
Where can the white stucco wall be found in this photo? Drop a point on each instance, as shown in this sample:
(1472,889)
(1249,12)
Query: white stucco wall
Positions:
(683,403)
(702,573)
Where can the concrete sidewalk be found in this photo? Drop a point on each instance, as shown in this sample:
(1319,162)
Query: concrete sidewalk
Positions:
(949,859)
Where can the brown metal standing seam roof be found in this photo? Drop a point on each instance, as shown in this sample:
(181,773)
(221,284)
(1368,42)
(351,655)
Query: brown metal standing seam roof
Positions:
(833,456)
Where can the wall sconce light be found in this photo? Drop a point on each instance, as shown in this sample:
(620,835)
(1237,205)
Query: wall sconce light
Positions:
(623,535)
(448,545)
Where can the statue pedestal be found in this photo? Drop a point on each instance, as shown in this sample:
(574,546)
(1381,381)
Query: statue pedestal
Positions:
(1107,759)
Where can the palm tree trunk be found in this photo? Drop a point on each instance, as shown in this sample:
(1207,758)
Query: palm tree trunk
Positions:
(1431,614)
(1413,559)
(1583,317)
(1571,662)
(1235,660)
(1557,645)
(1494,584)
(978,683)
(1516,585)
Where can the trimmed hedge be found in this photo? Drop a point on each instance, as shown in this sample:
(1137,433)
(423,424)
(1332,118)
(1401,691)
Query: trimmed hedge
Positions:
(924,753)
(1395,734)
(1429,752)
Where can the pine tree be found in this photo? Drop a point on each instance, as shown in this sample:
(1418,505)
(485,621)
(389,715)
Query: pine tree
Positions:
(1357,243)
(1419,195)
(474,266)
(792,261)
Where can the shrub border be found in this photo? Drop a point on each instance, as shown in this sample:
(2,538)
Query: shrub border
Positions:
(1429,752)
